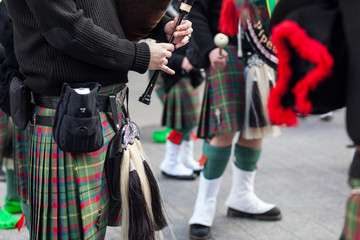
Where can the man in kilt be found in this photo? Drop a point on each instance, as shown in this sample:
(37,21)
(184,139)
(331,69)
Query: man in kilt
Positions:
(76,42)
(181,113)
(221,117)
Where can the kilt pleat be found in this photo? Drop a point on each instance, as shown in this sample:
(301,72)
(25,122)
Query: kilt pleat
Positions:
(224,98)
(182,106)
(68,193)
(5,136)
(21,156)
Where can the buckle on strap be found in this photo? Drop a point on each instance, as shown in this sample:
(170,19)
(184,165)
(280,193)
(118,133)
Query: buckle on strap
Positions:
(41,120)
(33,120)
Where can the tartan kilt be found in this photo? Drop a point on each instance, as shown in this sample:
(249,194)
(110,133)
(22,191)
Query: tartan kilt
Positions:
(351,228)
(5,136)
(68,195)
(21,156)
(160,89)
(224,98)
(182,106)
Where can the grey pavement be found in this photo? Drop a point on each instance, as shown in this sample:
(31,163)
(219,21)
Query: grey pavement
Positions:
(303,171)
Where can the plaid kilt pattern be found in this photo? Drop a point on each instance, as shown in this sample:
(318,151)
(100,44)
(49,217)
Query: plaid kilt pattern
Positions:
(21,156)
(351,229)
(5,135)
(224,98)
(182,106)
(68,193)
(160,89)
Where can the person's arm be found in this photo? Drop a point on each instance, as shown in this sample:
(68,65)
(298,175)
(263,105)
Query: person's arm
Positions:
(66,28)
(6,28)
(7,41)
(199,16)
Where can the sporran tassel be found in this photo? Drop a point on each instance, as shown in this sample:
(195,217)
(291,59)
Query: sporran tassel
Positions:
(156,200)
(259,79)
(140,193)
(137,218)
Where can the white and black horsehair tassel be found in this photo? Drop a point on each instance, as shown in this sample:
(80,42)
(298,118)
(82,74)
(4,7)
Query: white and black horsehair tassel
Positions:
(137,218)
(259,79)
(156,200)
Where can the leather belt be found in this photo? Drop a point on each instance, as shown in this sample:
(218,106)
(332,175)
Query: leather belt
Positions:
(41,120)
(52,101)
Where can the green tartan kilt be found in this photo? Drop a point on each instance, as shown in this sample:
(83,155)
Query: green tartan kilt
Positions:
(21,156)
(5,136)
(181,106)
(224,98)
(68,193)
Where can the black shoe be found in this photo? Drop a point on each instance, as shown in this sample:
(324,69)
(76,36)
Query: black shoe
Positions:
(197,172)
(198,231)
(180,177)
(273,214)
(2,175)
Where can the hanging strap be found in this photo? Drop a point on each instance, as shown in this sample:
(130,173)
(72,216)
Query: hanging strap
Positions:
(114,105)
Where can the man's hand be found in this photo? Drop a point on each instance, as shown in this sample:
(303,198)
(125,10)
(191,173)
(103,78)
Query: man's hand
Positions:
(218,62)
(159,53)
(182,34)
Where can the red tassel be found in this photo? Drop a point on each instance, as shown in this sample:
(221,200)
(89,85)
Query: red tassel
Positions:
(229,18)
(21,222)
(202,160)
(175,137)
(194,136)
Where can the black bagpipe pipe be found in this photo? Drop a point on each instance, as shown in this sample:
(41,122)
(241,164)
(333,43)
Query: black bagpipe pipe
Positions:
(184,10)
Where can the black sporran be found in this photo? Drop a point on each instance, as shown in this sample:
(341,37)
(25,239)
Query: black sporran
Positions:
(20,103)
(77,126)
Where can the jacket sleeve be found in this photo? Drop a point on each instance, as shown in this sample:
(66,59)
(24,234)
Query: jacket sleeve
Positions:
(199,16)
(66,28)
(7,41)
(6,28)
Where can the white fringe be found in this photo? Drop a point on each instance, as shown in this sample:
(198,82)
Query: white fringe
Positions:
(124,186)
(262,76)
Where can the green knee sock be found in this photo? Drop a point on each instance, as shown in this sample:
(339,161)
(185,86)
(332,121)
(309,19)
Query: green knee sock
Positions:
(12,200)
(10,186)
(216,160)
(246,158)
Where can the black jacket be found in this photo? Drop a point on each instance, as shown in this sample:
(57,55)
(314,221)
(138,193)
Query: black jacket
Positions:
(8,62)
(74,41)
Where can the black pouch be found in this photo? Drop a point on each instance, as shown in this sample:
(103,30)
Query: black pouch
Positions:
(20,103)
(77,126)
